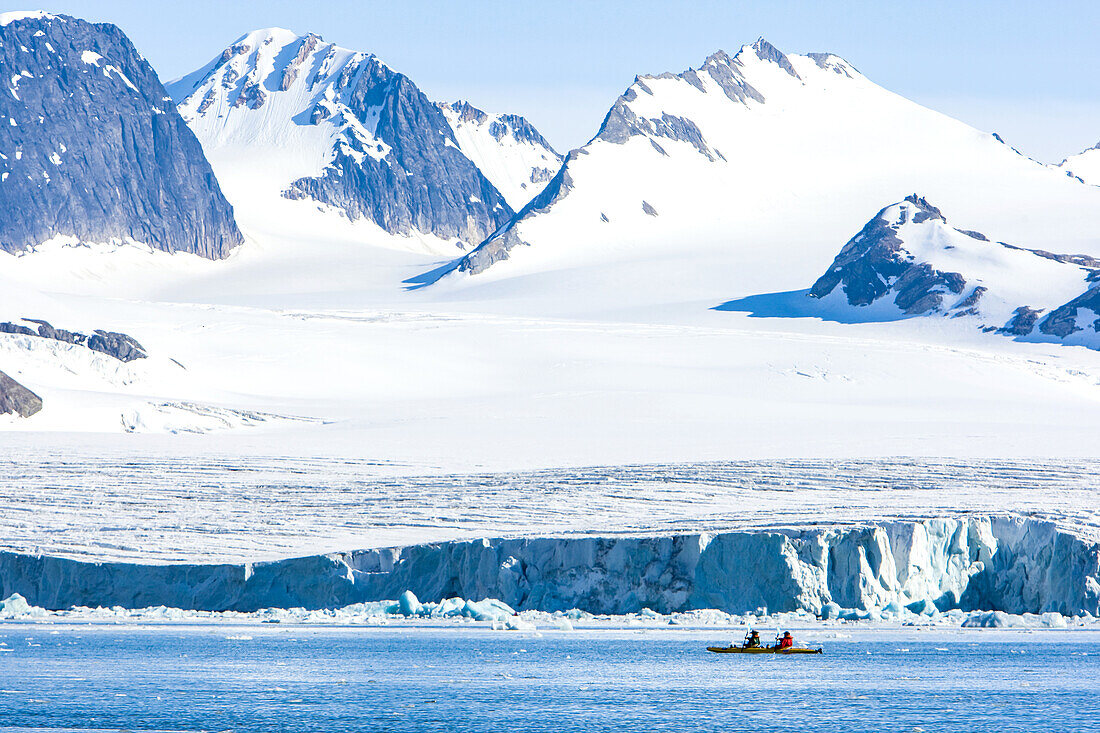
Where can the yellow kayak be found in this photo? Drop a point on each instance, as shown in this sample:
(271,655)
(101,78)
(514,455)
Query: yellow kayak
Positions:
(762,650)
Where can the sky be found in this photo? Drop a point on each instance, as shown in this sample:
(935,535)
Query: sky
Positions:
(1026,70)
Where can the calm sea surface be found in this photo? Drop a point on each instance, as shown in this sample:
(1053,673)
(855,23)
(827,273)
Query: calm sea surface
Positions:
(275,678)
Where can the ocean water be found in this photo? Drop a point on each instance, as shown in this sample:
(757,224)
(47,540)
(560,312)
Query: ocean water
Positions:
(286,678)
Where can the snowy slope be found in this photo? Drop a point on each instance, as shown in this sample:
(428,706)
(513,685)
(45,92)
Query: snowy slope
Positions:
(599,343)
(507,148)
(1084,165)
(741,176)
(284,116)
(907,261)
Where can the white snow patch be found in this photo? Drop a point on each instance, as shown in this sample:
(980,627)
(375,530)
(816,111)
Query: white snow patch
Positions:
(16,15)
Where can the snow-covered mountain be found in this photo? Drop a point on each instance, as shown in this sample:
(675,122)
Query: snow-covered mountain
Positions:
(295,116)
(507,148)
(908,261)
(1084,165)
(741,176)
(92,149)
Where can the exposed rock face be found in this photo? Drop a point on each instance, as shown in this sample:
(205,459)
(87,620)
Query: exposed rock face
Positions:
(17,399)
(422,183)
(384,152)
(92,147)
(118,345)
(506,148)
(1066,319)
(497,247)
(1022,322)
(1084,166)
(1014,289)
(875,263)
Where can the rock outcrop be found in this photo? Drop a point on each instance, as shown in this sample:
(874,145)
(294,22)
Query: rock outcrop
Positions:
(17,399)
(1080,314)
(876,262)
(506,148)
(111,343)
(904,251)
(92,148)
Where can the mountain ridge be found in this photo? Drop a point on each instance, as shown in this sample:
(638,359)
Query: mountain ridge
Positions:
(343,129)
(68,175)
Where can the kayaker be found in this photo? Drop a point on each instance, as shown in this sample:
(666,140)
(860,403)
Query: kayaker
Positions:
(752,641)
(786,641)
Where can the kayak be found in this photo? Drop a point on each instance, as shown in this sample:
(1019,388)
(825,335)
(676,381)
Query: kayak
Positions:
(763,650)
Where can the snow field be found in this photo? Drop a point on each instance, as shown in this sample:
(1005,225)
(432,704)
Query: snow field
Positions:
(185,507)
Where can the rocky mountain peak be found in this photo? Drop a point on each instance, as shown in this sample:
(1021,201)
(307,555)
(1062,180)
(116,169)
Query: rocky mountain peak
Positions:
(506,148)
(365,139)
(65,173)
(908,251)
(767,52)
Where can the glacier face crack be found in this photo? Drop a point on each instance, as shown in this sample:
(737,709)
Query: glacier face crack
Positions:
(1011,564)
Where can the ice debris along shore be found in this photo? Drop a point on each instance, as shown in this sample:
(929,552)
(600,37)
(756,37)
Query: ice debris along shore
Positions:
(1010,564)
(407,610)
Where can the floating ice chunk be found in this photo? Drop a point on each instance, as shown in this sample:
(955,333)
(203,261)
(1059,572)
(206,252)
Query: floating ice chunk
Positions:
(409,605)
(15,606)
(923,608)
(855,614)
(1053,620)
(489,609)
(830,610)
(991,620)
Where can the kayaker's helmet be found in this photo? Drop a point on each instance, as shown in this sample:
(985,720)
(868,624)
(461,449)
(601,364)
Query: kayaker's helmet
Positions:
(786,634)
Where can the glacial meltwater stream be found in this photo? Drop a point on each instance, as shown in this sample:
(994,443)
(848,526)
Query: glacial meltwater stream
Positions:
(297,678)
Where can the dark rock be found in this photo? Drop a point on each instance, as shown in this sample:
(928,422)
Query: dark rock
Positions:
(423,182)
(923,211)
(621,124)
(17,399)
(971,300)
(46,331)
(1022,322)
(1062,321)
(496,248)
(767,52)
(831,62)
(726,72)
(875,262)
(94,147)
(14,328)
(118,345)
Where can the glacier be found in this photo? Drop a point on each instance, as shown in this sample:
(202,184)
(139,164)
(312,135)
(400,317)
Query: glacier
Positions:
(1011,564)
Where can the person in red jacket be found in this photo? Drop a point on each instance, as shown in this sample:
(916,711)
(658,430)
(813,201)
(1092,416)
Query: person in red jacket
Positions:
(786,641)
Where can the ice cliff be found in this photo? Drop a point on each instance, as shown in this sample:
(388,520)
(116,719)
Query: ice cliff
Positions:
(1006,564)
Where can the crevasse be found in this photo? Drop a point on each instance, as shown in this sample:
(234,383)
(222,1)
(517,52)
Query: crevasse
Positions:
(1010,564)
